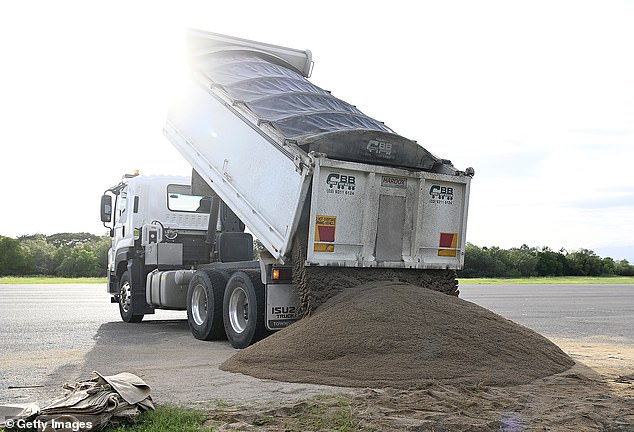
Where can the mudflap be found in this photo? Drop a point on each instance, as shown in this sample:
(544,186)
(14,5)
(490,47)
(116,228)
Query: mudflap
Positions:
(136,272)
(282,306)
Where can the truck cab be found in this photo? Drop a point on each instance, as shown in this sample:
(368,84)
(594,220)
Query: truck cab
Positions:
(177,250)
(154,221)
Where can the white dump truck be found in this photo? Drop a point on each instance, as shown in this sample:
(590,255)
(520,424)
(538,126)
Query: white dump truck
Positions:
(335,197)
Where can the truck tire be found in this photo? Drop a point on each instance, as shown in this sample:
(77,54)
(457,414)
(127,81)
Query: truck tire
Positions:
(243,309)
(126,305)
(204,305)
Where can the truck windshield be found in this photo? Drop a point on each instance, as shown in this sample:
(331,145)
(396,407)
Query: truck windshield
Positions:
(179,198)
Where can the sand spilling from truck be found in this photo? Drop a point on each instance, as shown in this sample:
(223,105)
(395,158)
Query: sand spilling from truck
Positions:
(391,334)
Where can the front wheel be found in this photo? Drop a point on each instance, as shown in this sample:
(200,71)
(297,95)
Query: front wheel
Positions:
(243,309)
(126,305)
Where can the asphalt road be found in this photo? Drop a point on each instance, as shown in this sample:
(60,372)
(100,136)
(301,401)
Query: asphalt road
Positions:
(36,317)
(51,334)
(562,311)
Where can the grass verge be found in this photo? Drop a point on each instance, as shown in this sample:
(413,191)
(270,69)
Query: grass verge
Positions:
(551,280)
(167,419)
(14,280)
(17,280)
(321,413)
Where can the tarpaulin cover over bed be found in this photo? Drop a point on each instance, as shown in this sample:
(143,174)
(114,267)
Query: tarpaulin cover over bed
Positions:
(306,114)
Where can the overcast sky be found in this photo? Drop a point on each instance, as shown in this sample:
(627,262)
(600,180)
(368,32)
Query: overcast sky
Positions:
(537,96)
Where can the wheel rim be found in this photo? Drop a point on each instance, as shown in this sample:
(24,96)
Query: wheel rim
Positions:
(125,297)
(239,310)
(199,304)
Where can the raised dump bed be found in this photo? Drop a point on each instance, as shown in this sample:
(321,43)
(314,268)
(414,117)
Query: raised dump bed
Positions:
(279,150)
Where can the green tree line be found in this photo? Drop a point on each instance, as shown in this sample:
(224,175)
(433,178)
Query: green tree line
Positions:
(63,254)
(86,255)
(528,261)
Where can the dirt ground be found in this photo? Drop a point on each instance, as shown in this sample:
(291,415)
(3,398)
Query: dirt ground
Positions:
(596,394)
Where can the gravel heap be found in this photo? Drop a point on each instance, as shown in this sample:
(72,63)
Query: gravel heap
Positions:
(390,334)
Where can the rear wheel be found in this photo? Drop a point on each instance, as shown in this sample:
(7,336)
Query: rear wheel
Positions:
(126,305)
(243,310)
(204,305)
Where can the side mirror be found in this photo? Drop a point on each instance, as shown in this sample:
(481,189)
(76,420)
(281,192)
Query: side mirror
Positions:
(106,208)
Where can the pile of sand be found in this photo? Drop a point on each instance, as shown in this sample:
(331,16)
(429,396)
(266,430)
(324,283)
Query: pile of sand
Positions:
(389,334)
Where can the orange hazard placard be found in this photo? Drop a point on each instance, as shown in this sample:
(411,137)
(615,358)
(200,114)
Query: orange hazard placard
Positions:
(448,240)
(325,227)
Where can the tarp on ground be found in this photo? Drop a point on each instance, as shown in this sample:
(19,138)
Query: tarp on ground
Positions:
(86,405)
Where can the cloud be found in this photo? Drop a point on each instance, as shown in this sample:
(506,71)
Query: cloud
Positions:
(615,132)
(523,164)
(605,199)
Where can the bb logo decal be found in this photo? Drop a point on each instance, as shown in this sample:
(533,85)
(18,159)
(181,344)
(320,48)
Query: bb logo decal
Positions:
(341,184)
(380,148)
(441,194)
(341,181)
